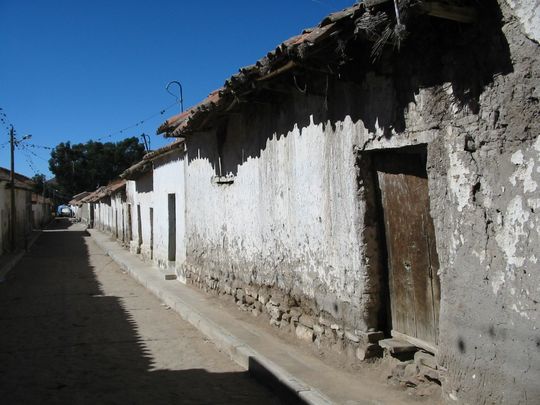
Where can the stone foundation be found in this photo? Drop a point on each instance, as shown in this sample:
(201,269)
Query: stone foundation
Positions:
(298,316)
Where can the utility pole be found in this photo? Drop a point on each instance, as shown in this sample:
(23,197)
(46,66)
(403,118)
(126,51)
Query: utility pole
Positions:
(12,191)
(146,140)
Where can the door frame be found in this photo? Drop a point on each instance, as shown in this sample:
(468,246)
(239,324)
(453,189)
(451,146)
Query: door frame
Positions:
(374,194)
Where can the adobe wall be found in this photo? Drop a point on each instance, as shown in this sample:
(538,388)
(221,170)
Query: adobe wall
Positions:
(286,233)
(169,179)
(140,193)
(485,203)
(291,236)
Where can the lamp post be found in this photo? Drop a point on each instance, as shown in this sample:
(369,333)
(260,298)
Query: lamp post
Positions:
(13,142)
(181,99)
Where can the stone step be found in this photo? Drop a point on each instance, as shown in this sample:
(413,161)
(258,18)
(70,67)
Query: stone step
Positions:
(396,346)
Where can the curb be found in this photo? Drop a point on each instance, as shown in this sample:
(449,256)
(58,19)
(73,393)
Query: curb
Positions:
(288,388)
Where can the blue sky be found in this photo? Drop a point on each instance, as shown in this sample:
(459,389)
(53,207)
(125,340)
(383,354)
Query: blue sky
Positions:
(79,70)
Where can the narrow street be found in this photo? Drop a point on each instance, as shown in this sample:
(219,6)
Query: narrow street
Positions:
(76,329)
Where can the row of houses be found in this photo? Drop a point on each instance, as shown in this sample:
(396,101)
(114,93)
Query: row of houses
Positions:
(32,211)
(374,177)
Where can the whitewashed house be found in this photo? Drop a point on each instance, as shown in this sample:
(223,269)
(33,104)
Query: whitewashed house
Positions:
(23,211)
(382,191)
(380,188)
(155,196)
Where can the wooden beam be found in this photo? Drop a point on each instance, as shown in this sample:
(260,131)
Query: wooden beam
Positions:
(371,3)
(415,341)
(454,13)
(288,66)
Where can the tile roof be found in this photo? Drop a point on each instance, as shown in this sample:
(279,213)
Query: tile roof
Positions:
(285,56)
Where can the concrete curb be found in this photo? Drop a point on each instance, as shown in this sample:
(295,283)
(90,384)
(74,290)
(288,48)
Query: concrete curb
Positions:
(12,262)
(263,369)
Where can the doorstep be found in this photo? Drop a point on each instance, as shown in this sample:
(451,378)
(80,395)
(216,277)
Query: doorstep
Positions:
(295,375)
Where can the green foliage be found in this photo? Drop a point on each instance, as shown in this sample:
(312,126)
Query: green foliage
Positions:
(84,167)
(39,183)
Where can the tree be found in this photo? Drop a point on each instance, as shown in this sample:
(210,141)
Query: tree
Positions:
(39,183)
(86,166)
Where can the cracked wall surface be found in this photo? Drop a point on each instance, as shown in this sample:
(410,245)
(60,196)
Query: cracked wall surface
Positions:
(293,222)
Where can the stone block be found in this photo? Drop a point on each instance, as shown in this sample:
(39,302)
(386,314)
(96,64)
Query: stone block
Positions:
(276,298)
(295,311)
(285,306)
(318,329)
(304,333)
(368,351)
(370,337)
(325,321)
(227,289)
(351,336)
(239,294)
(249,299)
(263,296)
(410,371)
(429,373)
(328,332)
(274,312)
(396,346)
(306,320)
(251,292)
(425,359)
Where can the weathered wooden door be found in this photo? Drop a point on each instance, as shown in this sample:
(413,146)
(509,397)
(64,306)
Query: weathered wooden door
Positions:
(414,287)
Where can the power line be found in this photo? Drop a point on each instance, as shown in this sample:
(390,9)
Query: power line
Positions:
(5,121)
(32,145)
(161,112)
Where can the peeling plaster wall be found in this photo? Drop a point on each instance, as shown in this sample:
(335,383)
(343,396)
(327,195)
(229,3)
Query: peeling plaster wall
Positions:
(528,14)
(484,186)
(169,179)
(294,217)
(289,220)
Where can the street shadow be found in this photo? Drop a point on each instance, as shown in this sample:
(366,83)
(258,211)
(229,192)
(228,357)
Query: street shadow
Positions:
(64,341)
(58,223)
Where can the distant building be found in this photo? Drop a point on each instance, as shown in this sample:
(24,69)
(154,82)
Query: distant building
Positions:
(31,210)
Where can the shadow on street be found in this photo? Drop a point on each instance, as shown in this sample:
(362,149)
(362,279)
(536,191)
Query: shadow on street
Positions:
(63,340)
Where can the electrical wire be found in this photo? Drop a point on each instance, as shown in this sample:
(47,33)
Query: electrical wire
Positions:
(161,112)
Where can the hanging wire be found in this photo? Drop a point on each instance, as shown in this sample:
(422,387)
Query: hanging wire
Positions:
(24,147)
(32,145)
(5,122)
(120,131)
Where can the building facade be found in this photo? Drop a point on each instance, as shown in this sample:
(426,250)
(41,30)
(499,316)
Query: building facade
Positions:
(370,179)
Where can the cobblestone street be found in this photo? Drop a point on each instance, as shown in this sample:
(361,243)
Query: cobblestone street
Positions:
(77,329)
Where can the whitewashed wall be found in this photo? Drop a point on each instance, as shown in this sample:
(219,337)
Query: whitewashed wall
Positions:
(41,214)
(23,217)
(169,179)
(140,193)
(291,216)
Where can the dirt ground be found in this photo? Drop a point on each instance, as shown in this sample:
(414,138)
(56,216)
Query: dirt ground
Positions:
(77,329)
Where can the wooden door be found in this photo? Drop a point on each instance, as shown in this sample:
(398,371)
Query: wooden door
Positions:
(172,227)
(414,287)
